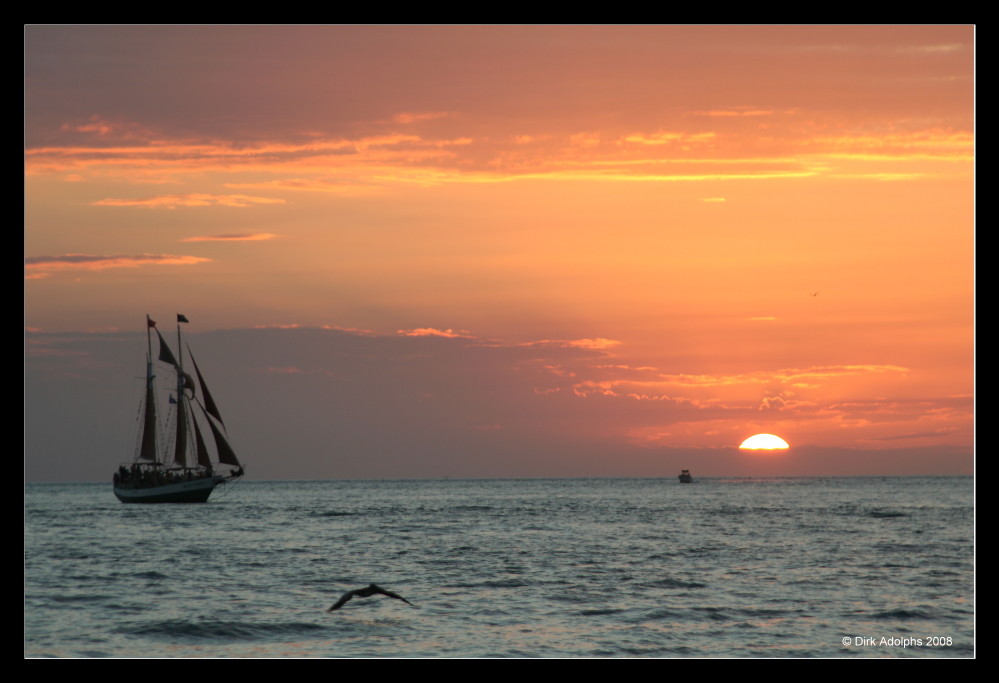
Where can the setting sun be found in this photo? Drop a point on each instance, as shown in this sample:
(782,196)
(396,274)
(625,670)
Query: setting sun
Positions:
(767,442)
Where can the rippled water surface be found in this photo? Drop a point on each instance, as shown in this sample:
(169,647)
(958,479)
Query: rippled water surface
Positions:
(811,567)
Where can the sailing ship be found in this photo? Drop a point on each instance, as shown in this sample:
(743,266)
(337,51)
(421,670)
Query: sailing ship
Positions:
(181,470)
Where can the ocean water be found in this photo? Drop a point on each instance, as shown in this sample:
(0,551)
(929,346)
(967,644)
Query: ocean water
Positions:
(789,567)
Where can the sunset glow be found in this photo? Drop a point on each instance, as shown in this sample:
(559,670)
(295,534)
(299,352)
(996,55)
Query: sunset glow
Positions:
(510,250)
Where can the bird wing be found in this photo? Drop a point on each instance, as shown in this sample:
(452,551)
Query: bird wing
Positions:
(392,595)
(344,599)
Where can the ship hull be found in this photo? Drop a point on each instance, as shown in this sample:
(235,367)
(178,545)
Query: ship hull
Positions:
(194,491)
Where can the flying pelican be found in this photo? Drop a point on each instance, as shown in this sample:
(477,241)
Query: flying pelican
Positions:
(366,593)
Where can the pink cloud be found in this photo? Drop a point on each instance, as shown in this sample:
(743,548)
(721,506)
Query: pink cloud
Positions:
(434,332)
(736,111)
(246,237)
(598,343)
(38,266)
(173,201)
(413,117)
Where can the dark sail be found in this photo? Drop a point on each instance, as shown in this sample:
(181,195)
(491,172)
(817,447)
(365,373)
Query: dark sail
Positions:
(165,354)
(203,458)
(210,406)
(226,454)
(148,449)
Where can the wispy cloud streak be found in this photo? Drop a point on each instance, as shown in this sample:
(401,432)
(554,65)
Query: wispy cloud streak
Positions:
(349,163)
(234,237)
(41,266)
(173,201)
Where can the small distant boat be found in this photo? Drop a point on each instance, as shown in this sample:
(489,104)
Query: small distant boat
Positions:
(189,476)
(685,477)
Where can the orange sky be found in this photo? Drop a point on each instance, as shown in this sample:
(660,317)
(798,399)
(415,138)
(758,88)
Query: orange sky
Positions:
(660,238)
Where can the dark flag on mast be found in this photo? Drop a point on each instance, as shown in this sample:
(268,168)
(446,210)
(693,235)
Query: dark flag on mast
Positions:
(182,318)
(150,322)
